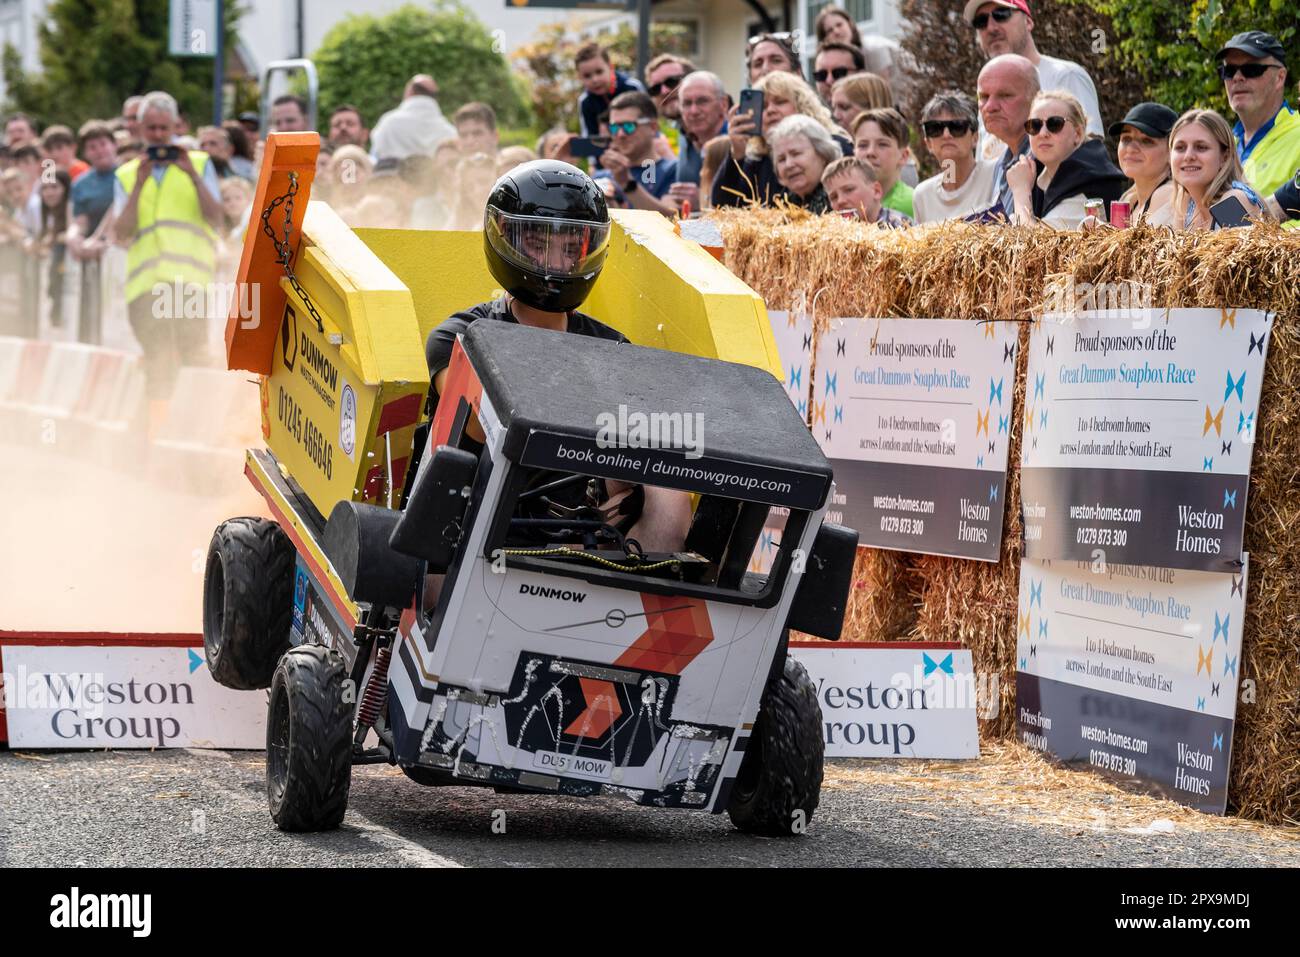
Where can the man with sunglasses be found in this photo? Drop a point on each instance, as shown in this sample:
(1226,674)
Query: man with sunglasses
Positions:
(631,161)
(1253,69)
(834,61)
(1006,26)
(663,76)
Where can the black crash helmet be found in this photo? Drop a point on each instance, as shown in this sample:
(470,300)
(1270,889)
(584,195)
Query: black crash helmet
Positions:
(546,234)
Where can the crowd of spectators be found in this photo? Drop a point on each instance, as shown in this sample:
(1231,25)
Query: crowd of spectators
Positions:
(1027,145)
(100,215)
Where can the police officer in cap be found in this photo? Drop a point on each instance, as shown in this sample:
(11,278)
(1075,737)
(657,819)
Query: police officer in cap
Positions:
(546,236)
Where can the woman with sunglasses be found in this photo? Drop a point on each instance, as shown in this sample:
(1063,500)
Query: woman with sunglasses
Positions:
(748,175)
(1064,168)
(1143,155)
(950,127)
(1206,170)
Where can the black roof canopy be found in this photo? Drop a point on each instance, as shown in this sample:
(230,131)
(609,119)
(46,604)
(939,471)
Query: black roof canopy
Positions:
(579,404)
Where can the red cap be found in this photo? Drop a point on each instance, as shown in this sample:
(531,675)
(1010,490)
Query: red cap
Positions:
(974,5)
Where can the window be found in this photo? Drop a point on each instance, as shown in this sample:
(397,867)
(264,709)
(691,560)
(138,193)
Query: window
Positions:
(686,36)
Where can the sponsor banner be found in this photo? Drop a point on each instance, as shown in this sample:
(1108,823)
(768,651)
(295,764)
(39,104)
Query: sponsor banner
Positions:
(915,415)
(1133,670)
(1113,397)
(793,332)
(671,469)
(123,696)
(898,700)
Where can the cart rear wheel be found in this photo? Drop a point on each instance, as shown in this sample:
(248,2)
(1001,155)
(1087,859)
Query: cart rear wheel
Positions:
(247,601)
(780,779)
(309,741)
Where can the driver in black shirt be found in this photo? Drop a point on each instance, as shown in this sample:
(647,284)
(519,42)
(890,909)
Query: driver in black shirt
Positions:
(546,236)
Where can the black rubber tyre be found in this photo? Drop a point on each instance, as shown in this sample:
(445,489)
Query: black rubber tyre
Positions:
(780,779)
(247,601)
(308,741)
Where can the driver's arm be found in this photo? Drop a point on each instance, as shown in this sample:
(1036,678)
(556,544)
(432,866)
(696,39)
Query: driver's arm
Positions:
(665,517)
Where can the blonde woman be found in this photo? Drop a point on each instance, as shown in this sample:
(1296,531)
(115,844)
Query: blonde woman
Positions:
(851,95)
(1206,170)
(748,175)
(1064,169)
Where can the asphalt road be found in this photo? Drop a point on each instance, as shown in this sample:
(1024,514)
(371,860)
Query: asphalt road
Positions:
(194,808)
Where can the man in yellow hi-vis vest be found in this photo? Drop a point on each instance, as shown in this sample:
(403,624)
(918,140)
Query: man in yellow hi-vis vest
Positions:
(167,203)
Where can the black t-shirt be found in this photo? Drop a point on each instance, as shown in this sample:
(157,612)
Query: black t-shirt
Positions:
(438,348)
(437,352)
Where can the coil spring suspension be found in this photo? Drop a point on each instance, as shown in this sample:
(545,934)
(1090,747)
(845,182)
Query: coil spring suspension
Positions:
(372,702)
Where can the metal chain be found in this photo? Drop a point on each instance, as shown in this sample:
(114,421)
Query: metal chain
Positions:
(284,252)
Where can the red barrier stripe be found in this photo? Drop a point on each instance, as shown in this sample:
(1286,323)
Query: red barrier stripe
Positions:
(400,413)
(102,638)
(31,369)
(90,400)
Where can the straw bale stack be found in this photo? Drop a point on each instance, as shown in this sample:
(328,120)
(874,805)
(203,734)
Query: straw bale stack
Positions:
(841,268)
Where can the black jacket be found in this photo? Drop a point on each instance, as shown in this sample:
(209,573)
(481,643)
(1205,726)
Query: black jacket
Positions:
(1088,170)
(755,179)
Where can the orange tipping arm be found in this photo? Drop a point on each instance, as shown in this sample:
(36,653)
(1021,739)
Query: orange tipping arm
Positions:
(250,344)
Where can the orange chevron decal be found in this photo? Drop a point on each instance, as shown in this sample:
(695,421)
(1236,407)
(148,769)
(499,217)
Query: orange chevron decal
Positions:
(819,413)
(982,422)
(677,629)
(1203,660)
(1228,317)
(601,712)
(1024,625)
(1213,420)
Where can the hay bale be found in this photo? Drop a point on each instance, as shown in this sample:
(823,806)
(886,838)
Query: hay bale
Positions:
(838,268)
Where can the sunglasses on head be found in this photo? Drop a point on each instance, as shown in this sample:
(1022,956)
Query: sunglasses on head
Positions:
(1000,15)
(627,127)
(1054,124)
(784,38)
(667,83)
(934,128)
(1251,71)
(838,73)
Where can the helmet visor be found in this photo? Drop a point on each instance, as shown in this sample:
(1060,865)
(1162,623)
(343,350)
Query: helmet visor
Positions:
(546,246)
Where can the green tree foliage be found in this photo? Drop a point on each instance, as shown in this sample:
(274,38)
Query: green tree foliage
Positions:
(96,53)
(367,60)
(1171,44)
(552,80)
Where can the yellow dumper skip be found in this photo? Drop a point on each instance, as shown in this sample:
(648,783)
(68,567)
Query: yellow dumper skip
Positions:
(341,399)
